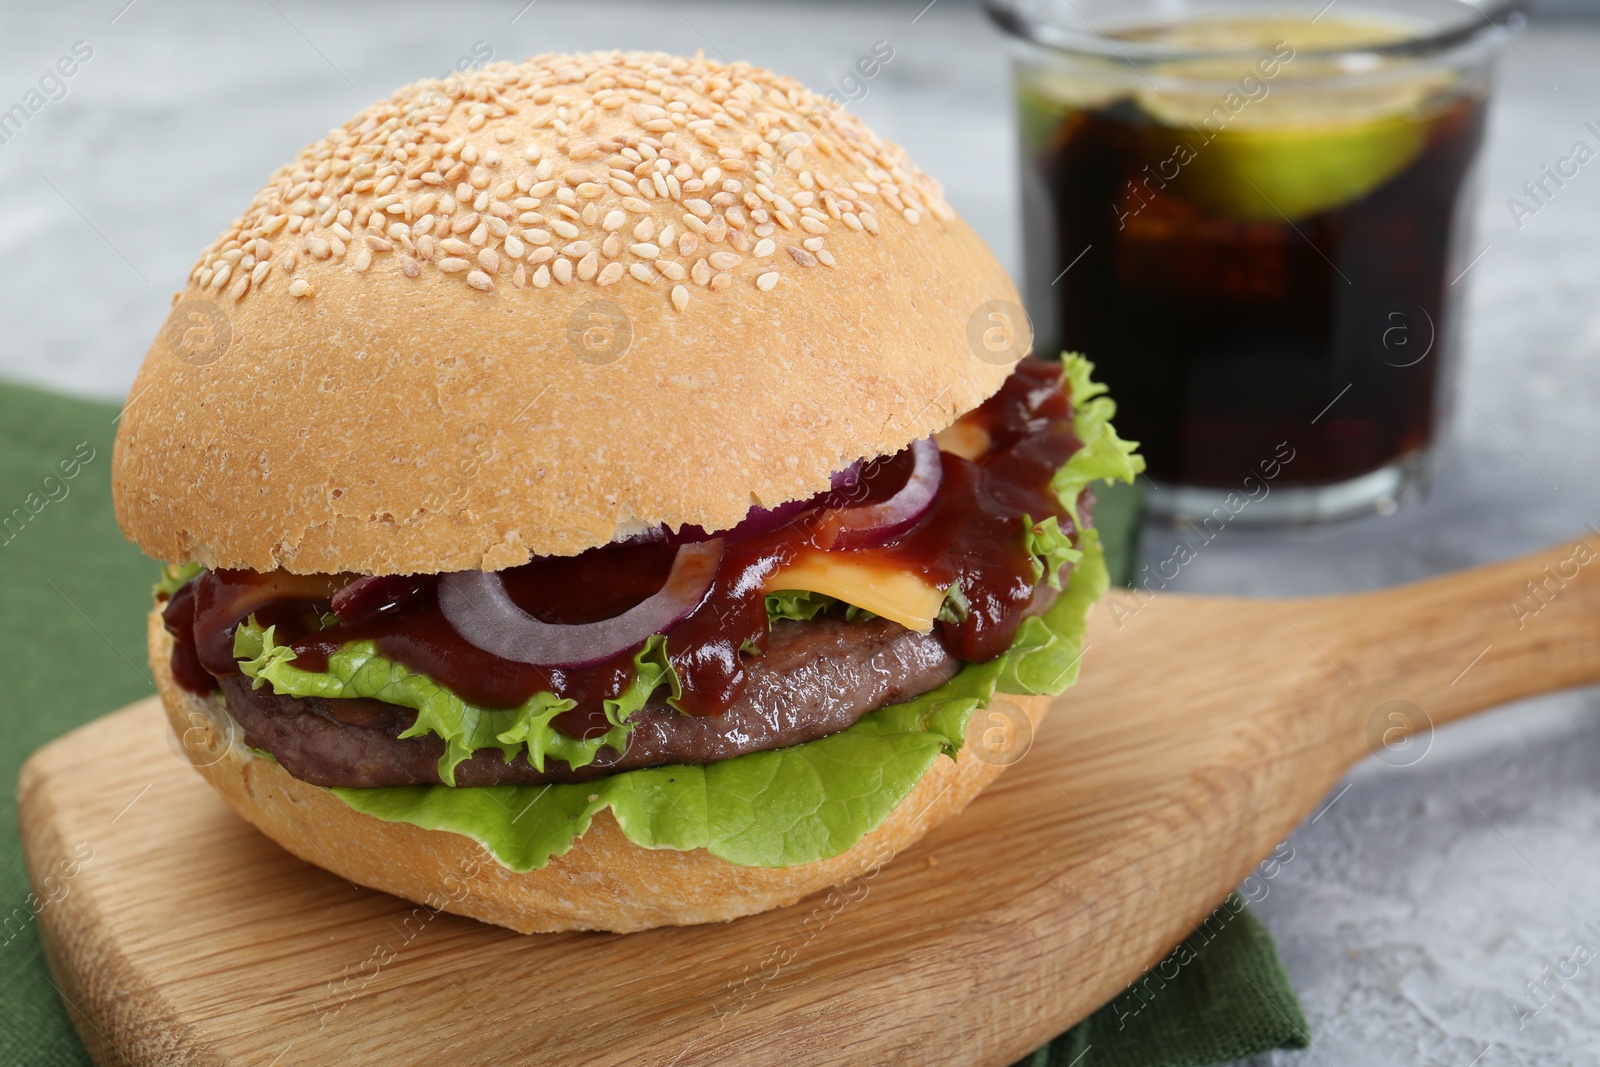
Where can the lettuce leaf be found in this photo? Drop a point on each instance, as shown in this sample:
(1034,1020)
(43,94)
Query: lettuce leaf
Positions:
(955,608)
(805,604)
(1104,456)
(357,670)
(799,604)
(815,800)
(1050,548)
(174,576)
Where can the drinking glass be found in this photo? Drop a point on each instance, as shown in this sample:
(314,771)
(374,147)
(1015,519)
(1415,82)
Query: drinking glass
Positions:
(1254,218)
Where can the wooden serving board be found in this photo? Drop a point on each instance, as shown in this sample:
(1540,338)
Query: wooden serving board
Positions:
(1202,731)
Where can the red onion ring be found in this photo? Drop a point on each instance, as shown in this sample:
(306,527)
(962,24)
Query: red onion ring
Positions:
(225,598)
(477,605)
(873,524)
(373,595)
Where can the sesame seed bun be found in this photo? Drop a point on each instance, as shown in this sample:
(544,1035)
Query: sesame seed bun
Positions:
(605,882)
(546,305)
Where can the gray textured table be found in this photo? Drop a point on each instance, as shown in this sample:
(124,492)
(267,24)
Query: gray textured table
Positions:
(1420,903)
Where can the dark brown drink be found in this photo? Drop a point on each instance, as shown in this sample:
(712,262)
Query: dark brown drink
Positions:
(1254,261)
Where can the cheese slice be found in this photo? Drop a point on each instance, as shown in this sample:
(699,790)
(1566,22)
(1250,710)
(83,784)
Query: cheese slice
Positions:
(964,438)
(896,594)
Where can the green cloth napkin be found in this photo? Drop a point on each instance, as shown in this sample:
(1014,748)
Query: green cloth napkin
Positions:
(1220,997)
(73,597)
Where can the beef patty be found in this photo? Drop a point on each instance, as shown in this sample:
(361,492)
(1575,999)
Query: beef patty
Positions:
(816,678)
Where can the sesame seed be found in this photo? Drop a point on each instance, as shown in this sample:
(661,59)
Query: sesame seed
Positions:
(564,228)
(721,281)
(700,273)
(672,270)
(802,257)
(489,260)
(614,220)
(680,297)
(611,273)
(562,270)
(453,264)
(643,273)
(541,277)
(724,260)
(764,248)
(766,281)
(299,287)
(645,250)
(588,266)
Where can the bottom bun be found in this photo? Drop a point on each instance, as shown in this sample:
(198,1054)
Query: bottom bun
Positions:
(605,882)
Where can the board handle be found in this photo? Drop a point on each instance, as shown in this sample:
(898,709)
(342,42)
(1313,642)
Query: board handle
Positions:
(1468,641)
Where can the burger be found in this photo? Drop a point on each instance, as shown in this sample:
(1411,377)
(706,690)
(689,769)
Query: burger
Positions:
(607,491)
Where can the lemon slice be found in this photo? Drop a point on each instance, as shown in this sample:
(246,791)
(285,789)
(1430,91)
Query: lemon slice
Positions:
(1259,171)
(1321,131)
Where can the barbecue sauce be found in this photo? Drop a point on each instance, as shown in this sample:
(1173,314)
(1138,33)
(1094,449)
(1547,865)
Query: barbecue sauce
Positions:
(971,537)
